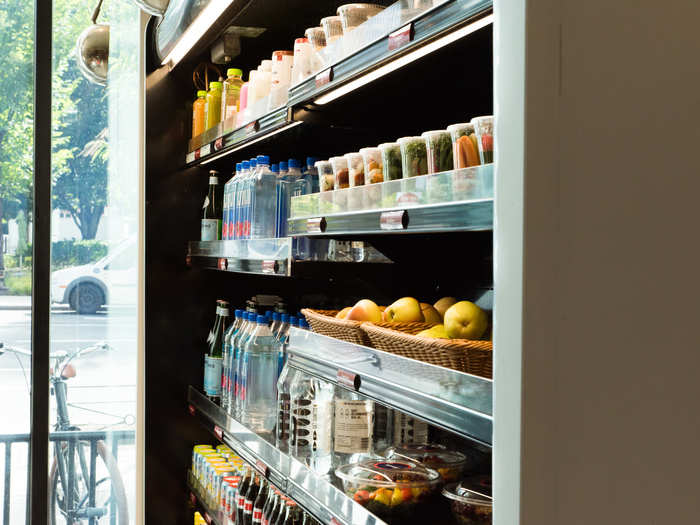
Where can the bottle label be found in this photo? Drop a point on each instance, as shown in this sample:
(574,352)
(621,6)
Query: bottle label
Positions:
(311,421)
(212,376)
(240,502)
(353,426)
(210,229)
(283,417)
(257,516)
(248,507)
(408,429)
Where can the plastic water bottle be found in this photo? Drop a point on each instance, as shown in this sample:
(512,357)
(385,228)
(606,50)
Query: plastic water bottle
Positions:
(284,385)
(311,407)
(312,173)
(238,199)
(352,427)
(302,185)
(260,376)
(224,210)
(283,169)
(276,316)
(263,210)
(284,321)
(294,169)
(248,200)
(227,360)
(233,190)
(238,342)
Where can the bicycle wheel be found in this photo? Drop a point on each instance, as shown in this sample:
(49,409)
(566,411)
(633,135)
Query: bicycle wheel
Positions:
(109,488)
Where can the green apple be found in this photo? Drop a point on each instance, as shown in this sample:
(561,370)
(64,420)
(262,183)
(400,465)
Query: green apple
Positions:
(405,310)
(443,304)
(465,320)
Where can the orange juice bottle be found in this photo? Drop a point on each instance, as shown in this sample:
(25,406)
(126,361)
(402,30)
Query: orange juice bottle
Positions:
(199,113)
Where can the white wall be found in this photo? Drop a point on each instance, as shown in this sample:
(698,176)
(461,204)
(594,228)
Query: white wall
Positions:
(602,404)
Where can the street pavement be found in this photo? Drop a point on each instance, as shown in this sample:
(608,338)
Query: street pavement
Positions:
(102,395)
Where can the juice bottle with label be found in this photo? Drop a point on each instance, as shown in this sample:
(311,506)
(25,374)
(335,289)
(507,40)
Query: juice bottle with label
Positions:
(199,113)
(213,105)
(231,94)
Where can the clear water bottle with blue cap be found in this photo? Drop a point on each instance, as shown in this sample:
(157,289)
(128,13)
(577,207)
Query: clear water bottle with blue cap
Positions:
(312,173)
(238,343)
(239,199)
(260,374)
(227,359)
(264,208)
(283,168)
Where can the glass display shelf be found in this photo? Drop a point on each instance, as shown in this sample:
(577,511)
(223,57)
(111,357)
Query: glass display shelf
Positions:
(316,494)
(455,401)
(454,200)
(401,33)
(258,256)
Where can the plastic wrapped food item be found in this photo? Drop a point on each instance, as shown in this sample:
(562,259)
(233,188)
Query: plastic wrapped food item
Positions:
(352,15)
(396,491)
(333,28)
(439,149)
(340,172)
(483,127)
(356,169)
(326,178)
(391,160)
(316,36)
(449,464)
(465,151)
(414,156)
(372,159)
(471,501)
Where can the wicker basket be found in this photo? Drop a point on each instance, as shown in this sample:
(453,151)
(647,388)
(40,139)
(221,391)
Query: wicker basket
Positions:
(473,357)
(324,322)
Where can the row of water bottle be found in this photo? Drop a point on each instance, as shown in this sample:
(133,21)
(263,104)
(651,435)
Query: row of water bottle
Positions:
(252,358)
(257,197)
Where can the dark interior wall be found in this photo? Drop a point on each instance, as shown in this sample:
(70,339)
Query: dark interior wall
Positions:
(180,301)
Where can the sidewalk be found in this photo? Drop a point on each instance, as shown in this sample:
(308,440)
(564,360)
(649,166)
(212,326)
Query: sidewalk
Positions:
(15,302)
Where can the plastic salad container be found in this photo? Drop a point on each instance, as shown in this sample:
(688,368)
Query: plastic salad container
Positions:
(326,178)
(333,28)
(448,463)
(391,160)
(465,151)
(439,149)
(483,127)
(352,15)
(316,36)
(395,491)
(356,169)
(340,172)
(372,159)
(471,500)
(414,156)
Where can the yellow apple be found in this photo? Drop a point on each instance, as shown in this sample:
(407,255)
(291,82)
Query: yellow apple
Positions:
(405,310)
(430,314)
(443,304)
(435,332)
(465,320)
(365,310)
(343,312)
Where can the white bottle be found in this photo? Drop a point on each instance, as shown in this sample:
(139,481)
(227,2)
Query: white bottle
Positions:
(312,422)
(353,424)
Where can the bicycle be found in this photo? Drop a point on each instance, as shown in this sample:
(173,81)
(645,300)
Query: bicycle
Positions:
(79,490)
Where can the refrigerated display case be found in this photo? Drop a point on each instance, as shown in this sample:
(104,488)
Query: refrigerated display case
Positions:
(385,80)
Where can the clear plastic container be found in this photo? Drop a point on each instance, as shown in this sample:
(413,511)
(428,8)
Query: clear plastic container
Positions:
(303,60)
(391,160)
(414,156)
(333,28)
(438,146)
(465,151)
(316,36)
(340,172)
(356,169)
(471,501)
(449,464)
(395,491)
(372,159)
(483,127)
(352,15)
(326,178)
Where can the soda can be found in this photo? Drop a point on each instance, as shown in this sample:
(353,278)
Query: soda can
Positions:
(218,475)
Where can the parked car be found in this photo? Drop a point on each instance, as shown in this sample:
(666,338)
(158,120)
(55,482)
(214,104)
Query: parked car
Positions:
(111,280)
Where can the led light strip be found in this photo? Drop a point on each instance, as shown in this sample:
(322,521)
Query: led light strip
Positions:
(258,139)
(196,30)
(403,60)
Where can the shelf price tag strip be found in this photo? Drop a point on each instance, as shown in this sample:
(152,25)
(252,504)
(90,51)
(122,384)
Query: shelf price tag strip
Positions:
(400,37)
(348,379)
(324,77)
(316,225)
(393,220)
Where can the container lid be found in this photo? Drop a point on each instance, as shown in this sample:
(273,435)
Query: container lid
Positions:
(201,93)
(387,473)
(301,41)
(475,491)
(385,145)
(428,134)
(409,140)
(372,7)
(463,125)
(321,163)
(234,71)
(279,55)
(431,455)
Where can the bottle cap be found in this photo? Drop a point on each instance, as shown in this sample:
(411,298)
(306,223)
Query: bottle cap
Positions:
(283,166)
(245,165)
(301,41)
(268,314)
(264,160)
(237,313)
(253,163)
(274,168)
(201,93)
(311,161)
(234,72)
(303,324)
(275,316)
(294,163)
(215,85)
(262,319)
(239,167)
(293,320)
(285,318)
(213,179)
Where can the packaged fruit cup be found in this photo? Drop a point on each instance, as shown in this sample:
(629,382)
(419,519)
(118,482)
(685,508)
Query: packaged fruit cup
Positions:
(391,160)
(326,178)
(316,36)
(414,156)
(449,464)
(465,150)
(352,15)
(333,28)
(471,500)
(342,182)
(483,127)
(439,149)
(395,491)
(372,159)
(356,169)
